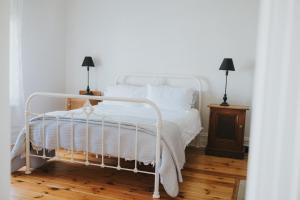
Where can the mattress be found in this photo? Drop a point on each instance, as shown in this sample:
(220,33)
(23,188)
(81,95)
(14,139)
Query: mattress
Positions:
(186,123)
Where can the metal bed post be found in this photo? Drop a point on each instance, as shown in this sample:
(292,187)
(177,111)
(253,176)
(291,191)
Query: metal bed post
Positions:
(87,141)
(27,141)
(72,138)
(157,161)
(86,162)
(43,137)
(135,149)
(119,145)
(102,144)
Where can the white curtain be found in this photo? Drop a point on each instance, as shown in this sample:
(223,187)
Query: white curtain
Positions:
(16,74)
(274,159)
(4,108)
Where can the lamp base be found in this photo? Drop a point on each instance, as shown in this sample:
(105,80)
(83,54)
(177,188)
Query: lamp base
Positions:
(88,91)
(224,100)
(224,104)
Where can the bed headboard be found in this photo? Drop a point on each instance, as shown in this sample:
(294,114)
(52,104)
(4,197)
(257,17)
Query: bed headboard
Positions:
(171,80)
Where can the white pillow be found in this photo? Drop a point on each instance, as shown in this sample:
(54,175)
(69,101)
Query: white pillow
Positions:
(142,81)
(126,91)
(170,98)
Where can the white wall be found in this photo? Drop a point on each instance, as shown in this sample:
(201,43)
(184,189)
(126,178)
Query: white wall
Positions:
(169,36)
(44,48)
(4,100)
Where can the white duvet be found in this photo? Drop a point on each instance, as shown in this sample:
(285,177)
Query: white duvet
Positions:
(178,129)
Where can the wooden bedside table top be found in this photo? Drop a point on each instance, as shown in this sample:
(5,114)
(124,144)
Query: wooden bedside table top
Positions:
(236,107)
(95,92)
(73,103)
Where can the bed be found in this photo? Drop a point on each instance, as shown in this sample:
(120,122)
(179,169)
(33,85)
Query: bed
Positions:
(143,118)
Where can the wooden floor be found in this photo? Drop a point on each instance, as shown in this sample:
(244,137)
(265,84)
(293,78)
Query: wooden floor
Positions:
(205,177)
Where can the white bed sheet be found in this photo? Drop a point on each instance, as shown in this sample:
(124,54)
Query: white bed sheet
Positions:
(188,121)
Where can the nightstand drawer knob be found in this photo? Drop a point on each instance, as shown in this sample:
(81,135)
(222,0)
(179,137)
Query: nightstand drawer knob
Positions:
(241,126)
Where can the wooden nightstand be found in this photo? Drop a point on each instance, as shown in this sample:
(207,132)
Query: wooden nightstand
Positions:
(73,103)
(226,131)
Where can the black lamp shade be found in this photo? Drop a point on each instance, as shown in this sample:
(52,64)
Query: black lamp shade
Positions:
(88,62)
(227,65)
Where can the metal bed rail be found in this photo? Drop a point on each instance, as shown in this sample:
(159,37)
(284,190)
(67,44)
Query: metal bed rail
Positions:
(88,110)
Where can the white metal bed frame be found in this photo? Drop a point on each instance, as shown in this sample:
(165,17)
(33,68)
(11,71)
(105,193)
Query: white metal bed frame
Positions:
(88,110)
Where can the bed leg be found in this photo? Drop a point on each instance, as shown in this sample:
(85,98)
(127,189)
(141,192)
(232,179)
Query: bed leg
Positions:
(157,159)
(156,186)
(27,172)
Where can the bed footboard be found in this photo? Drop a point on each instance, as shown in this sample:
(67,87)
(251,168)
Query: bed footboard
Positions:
(88,111)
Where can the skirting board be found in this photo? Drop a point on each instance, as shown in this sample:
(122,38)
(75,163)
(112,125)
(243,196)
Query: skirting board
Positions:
(203,141)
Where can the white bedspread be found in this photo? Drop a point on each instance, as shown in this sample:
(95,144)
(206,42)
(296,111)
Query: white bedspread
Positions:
(179,128)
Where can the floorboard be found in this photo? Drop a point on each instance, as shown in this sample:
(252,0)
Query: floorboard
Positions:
(205,177)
